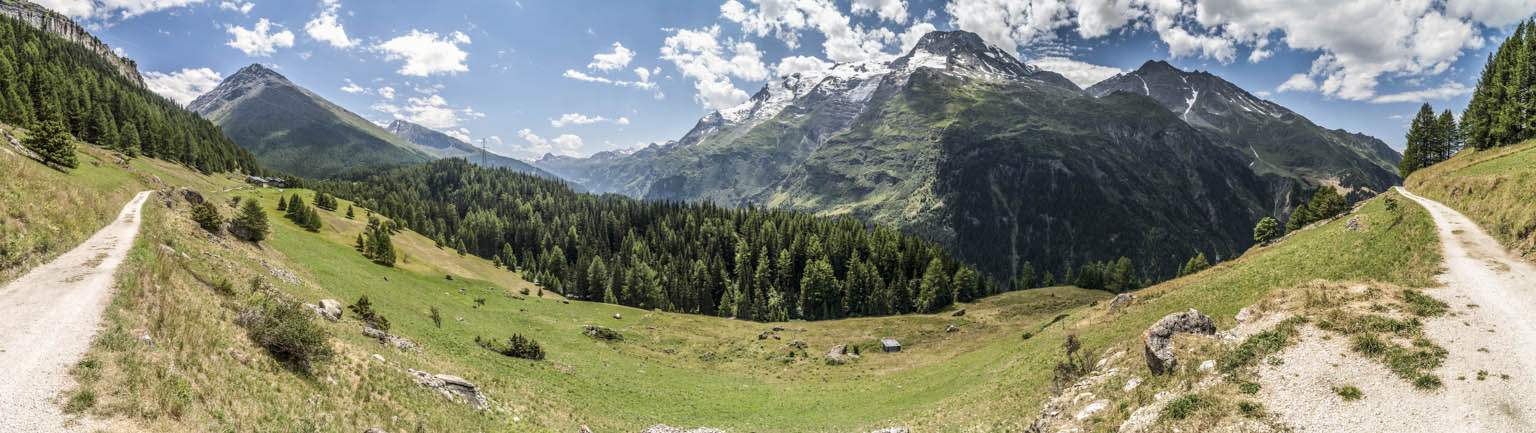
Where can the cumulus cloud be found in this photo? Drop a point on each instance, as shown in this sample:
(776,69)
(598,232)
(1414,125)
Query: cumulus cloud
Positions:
(565,144)
(844,41)
(182,86)
(353,88)
(105,9)
(1447,91)
(431,111)
(425,53)
(700,55)
(259,41)
(890,10)
(1297,82)
(795,64)
(1405,38)
(1082,74)
(242,8)
(582,119)
(387,92)
(617,59)
(326,28)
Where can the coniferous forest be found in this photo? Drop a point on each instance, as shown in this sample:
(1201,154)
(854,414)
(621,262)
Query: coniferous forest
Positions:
(46,81)
(1503,104)
(696,258)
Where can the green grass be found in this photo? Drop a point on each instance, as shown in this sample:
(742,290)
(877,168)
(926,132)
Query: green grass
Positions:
(1348,392)
(1262,344)
(1186,406)
(1492,187)
(1423,306)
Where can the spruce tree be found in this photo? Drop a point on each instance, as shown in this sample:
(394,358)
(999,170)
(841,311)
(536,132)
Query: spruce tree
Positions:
(282,204)
(252,223)
(349,211)
(52,142)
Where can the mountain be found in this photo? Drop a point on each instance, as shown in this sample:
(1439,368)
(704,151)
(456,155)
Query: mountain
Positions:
(442,145)
(63,27)
(958,141)
(1288,149)
(294,130)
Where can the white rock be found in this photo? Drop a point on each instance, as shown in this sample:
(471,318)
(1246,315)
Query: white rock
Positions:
(1208,365)
(1140,420)
(378,357)
(1089,410)
(1131,384)
(1081,397)
(1161,395)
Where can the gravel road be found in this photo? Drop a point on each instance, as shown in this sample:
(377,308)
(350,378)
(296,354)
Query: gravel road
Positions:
(49,317)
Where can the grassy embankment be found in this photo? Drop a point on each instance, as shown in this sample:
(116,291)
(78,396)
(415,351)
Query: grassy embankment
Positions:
(1496,188)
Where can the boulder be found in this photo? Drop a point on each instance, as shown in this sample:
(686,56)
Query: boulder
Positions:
(958,313)
(1244,315)
(454,387)
(1157,341)
(839,355)
(1090,409)
(1354,224)
(617,316)
(331,309)
(891,430)
(384,338)
(764,335)
(797,344)
(192,196)
(952,328)
(1121,300)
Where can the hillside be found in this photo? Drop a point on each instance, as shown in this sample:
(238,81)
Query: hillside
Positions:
(1292,153)
(293,130)
(1493,187)
(441,145)
(956,141)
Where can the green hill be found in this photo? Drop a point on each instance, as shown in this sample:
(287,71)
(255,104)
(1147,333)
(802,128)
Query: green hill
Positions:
(1486,186)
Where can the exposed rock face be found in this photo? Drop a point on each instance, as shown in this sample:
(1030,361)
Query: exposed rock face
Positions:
(396,341)
(960,313)
(62,26)
(454,387)
(1157,340)
(192,196)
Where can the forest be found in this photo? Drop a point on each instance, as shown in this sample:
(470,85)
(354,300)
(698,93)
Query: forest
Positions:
(1503,103)
(754,264)
(46,81)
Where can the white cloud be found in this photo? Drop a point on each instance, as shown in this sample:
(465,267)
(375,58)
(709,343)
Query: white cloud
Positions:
(327,29)
(1447,91)
(1297,82)
(353,88)
(700,55)
(889,10)
(914,34)
(431,111)
(259,41)
(426,54)
(1358,43)
(794,64)
(461,134)
(387,92)
(242,8)
(183,86)
(565,144)
(582,119)
(1082,74)
(786,19)
(617,59)
(103,9)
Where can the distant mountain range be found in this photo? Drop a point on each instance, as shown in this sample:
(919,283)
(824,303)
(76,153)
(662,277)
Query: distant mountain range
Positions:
(1003,162)
(294,130)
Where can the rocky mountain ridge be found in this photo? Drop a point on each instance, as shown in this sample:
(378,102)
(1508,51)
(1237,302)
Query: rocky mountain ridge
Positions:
(442,145)
(60,25)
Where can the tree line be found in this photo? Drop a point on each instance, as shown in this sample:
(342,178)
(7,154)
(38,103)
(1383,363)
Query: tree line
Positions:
(696,258)
(52,85)
(1431,140)
(1503,101)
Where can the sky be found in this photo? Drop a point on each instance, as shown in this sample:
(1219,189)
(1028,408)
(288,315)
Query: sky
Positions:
(575,77)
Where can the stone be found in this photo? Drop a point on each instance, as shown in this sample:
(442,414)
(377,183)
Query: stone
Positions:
(449,277)
(378,357)
(663,428)
(1140,419)
(960,313)
(617,316)
(565,301)
(1091,408)
(707,356)
(1354,224)
(839,355)
(1131,384)
(1157,341)
(146,340)
(952,328)
(891,430)
(192,196)
(1244,315)
(395,341)
(1121,300)
(1208,366)
(330,309)
(239,356)
(764,335)
(457,386)
(374,430)
(797,344)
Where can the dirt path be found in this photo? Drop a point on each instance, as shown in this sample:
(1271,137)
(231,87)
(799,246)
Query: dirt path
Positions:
(1490,329)
(50,315)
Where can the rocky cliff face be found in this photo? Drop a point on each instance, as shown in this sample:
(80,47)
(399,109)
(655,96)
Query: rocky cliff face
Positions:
(62,26)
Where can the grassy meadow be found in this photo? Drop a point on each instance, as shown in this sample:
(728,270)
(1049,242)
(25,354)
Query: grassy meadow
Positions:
(1481,184)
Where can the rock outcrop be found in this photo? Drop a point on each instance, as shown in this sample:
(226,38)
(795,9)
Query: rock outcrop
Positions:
(839,355)
(387,339)
(454,387)
(1157,341)
(63,27)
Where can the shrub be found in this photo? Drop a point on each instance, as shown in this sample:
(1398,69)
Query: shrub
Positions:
(223,286)
(1266,230)
(1075,366)
(1248,388)
(603,333)
(1185,406)
(1250,409)
(80,401)
(1348,392)
(51,141)
(517,347)
(207,216)
(288,331)
(480,301)
(364,311)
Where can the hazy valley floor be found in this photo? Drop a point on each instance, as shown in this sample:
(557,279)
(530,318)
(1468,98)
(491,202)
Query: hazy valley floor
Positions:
(52,314)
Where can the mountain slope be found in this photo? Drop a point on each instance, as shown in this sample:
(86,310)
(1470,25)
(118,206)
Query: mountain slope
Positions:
(957,141)
(442,145)
(1282,144)
(294,130)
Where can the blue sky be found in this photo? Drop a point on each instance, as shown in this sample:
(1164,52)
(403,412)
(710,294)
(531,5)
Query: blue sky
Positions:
(577,77)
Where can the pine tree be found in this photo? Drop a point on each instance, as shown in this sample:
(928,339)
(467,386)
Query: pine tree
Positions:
(252,223)
(349,211)
(1449,137)
(933,294)
(282,204)
(1423,142)
(52,142)
(359,247)
(816,288)
(1267,230)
